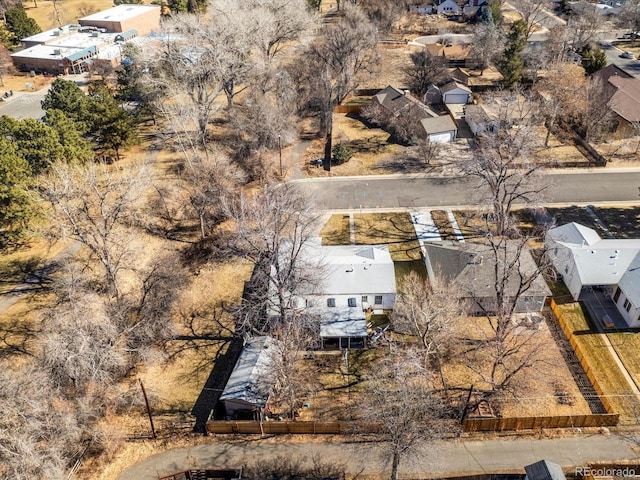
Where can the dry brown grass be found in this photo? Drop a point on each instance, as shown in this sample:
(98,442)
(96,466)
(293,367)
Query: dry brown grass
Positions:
(442,223)
(18,82)
(392,229)
(70,11)
(535,389)
(336,231)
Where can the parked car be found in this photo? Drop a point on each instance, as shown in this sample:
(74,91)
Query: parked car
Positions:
(627,55)
(605,44)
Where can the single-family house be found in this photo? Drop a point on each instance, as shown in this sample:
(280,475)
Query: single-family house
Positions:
(422,9)
(436,128)
(354,279)
(252,380)
(471,268)
(455,54)
(449,7)
(455,92)
(396,101)
(623,91)
(585,261)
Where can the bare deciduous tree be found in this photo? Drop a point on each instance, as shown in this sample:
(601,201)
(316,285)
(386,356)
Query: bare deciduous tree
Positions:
(562,90)
(93,205)
(429,312)
(272,229)
(583,26)
(38,431)
(425,70)
(487,46)
(337,61)
(532,12)
(400,399)
(502,161)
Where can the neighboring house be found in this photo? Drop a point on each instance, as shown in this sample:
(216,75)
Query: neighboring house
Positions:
(422,9)
(396,101)
(355,278)
(449,7)
(454,92)
(455,54)
(584,260)
(252,379)
(624,92)
(436,128)
(478,120)
(469,266)
(544,470)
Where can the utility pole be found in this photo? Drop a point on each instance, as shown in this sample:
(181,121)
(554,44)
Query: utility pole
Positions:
(146,401)
(280,150)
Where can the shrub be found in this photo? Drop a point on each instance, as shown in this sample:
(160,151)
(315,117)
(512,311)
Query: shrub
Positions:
(341,153)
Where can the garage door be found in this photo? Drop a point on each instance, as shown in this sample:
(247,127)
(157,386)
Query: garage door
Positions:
(456,98)
(440,137)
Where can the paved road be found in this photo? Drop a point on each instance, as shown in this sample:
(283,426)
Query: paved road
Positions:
(24,105)
(454,458)
(396,191)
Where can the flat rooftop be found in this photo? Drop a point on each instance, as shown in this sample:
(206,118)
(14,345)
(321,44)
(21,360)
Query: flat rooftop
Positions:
(47,51)
(119,13)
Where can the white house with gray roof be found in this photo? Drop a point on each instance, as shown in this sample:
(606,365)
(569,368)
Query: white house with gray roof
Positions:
(584,259)
(356,278)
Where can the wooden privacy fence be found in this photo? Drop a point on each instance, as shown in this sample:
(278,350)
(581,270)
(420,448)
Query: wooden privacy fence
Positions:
(287,427)
(348,108)
(580,354)
(527,423)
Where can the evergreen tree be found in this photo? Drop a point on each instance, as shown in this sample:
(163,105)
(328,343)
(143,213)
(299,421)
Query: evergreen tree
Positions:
(66,96)
(19,24)
(511,64)
(34,141)
(75,147)
(177,6)
(16,208)
(593,59)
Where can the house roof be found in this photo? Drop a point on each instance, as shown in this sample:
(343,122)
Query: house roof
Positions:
(544,470)
(354,269)
(252,377)
(600,261)
(440,124)
(451,52)
(453,85)
(469,265)
(119,13)
(476,113)
(624,90)
(396,100)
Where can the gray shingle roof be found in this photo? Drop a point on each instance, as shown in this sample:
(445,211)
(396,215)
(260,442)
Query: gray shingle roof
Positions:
(544,470)
(439,124)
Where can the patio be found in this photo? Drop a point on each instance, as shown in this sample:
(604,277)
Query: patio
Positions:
(603,311)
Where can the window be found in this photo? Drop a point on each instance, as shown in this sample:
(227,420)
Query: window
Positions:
(378,300)
(309,302)
(331,302)
(352,302)
(365,299)
(627,305)
(616,295)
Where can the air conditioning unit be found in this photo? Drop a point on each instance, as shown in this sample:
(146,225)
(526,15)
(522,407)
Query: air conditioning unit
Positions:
(94,34)
(56,33)
(57,51)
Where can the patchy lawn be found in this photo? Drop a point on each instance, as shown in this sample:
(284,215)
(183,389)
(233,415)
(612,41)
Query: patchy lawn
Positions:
(336,231)
(392,229)
(443,224)
(600,360)
(622,222)
(536,388)
(627,346)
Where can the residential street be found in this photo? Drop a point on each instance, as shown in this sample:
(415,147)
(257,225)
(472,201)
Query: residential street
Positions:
(401,191)
(462,457)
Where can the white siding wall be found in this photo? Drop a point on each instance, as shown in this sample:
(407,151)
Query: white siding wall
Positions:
(631,317)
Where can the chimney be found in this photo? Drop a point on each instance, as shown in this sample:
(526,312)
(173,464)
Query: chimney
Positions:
(406,93)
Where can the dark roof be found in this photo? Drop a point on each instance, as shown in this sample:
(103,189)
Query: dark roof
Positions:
(624,90)
(395,100)
(470,266)
(544,470)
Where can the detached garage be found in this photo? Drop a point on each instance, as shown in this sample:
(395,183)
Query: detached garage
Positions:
(454,92)
(440,129)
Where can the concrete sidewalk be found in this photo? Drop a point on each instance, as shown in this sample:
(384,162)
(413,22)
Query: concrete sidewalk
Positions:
(452,458)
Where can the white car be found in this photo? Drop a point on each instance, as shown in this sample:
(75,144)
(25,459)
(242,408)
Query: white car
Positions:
(627,55)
